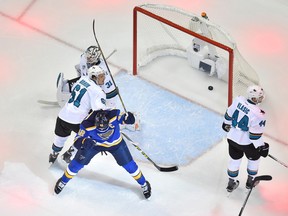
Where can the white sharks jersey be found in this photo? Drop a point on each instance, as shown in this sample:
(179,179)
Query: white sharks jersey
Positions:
(247,122)
(85,96)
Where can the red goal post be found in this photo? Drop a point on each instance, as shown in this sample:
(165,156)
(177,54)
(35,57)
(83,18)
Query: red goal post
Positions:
(164,21)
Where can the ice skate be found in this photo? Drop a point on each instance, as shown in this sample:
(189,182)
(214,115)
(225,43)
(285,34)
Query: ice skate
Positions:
(53,156)
(59,186)
(69,154)
(249,182)
(232,185)
(146,190)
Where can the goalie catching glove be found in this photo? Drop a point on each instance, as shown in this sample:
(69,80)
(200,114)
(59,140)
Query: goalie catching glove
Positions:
(263,150)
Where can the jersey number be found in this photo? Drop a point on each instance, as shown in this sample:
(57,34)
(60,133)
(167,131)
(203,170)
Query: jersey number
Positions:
(108,84)
(76,95)
(242,123)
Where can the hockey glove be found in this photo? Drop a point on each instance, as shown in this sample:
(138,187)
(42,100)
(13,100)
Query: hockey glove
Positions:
(129,118)
(226,127)
(88,143)
(263,150)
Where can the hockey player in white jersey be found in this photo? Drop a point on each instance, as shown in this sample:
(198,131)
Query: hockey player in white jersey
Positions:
(91,57)
(86,95)
(245,123)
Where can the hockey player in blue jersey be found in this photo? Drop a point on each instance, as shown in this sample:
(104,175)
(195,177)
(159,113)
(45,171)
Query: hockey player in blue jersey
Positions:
(100,132)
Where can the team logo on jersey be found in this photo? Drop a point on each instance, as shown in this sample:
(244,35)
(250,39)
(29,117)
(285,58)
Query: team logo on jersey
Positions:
(106,135)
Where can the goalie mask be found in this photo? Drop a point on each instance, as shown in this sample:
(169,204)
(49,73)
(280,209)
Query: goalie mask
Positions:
(255,94)
(92,54)
(102,120)
(97,74)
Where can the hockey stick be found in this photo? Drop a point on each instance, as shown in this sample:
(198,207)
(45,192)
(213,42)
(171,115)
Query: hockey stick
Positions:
(51,103)
(115,50)
(255,181)
(278,160)
(94,32)
(162,169)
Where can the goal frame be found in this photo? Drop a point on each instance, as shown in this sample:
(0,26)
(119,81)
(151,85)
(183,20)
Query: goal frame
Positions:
(230,51)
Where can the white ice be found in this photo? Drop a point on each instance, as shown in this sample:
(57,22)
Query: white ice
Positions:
(39,39)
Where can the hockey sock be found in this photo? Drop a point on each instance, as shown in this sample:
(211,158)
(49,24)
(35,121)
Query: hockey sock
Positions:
(56,148)
(72,170)
(135,172)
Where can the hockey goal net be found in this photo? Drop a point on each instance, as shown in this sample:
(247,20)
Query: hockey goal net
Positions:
(161,30)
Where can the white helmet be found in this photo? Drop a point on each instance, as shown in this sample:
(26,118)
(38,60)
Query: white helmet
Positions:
(92,54)
(255,94)
(94,72)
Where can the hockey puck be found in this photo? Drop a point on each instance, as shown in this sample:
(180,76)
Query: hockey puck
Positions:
(210,88)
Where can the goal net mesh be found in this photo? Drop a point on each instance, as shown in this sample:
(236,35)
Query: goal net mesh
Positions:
(156,37)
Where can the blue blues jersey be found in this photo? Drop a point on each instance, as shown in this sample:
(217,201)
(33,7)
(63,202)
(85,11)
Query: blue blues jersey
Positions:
(108,137)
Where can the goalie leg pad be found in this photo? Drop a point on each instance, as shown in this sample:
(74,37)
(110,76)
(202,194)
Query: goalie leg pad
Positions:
(63,93)
(62,97)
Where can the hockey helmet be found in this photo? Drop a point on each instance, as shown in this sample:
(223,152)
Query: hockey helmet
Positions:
(102,120)
(92,54)
(94,72)
(255,93)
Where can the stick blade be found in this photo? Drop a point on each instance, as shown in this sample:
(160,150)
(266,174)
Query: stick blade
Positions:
(263,178)
(168,169)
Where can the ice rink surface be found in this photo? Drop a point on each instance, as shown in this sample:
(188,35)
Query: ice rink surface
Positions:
(40,38)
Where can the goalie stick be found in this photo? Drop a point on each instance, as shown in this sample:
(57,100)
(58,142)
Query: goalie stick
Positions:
(94,33)
(115,50)
(51,103)
(162,169)
(255,180)
(283,164)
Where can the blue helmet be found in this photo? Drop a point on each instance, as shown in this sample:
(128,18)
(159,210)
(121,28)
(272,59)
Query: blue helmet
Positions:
(102,120)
